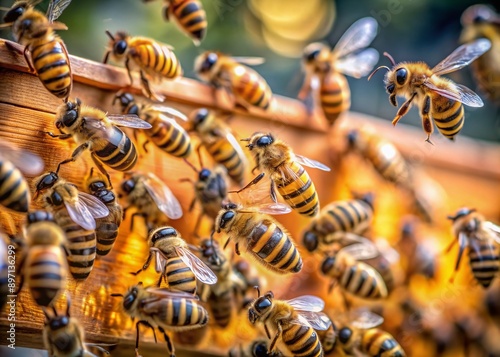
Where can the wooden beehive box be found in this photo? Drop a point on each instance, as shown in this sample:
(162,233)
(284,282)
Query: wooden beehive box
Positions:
(468,171)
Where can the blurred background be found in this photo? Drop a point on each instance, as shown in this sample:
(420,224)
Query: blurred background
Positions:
(279,29)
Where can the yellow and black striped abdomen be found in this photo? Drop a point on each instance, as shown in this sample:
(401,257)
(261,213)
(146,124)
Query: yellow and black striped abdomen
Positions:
(274,248)
(302,340)
(484,260)
(172,139)
(178,314)
(14,192)
(335,96)
(179,276)
(448,115)
(221,307)
(388,162)
(156,59)
(191,17)
(52,65)
(224,153)
(363,281)
(300,192)
(353,216)
(46,273)
(119,152)
(106,232)
(376,342)
(250,87)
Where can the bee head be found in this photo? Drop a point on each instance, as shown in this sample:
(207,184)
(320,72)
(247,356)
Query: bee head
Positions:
(16,12)
(204,174)
(46,181)
(127,186)
(127,102)
(68,114)
(310,241)
(462,212)
(477,14)
(259,140)
(226,217)
(328,264)
(199,117)
(205,62)
(58,322)
(259,349)
(345,334)
(162,233)
(260,306)
(130,298)
(118,42)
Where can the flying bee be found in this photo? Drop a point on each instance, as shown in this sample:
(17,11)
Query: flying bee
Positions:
(189,16)
(231,73)
(98,132)
(481,21)
(264,238)
(335,219)
(350,56)
(151,197)
(14,191)
(44,51)
(175,262)
(75,212)
(107,227)
(44,265)
(290,323)
(163,309)
(438,98)
(276,158)
(153,59)
(166,133)
(257,348)
(217,138)
(483,238)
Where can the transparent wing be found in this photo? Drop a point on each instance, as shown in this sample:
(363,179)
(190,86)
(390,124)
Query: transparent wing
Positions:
(167,293)
(163,197)
(461,94)
(172,122)
(365,319)
(80,214)
(170,112)
(274,208)
(251,61)
(358,36)
(361,251)
(317,320)
(160,260)
(28,163)
(128,120)
(95,206)
(462,56)
(359,64)
(311,163)
(234,143)
(56,8)
(493,228)
(307,303)
(202,272)
(387,251)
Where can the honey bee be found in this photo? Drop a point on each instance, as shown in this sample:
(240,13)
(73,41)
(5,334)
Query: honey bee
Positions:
(44,265)
(257,348)
(292,322)
(350,56)
(264,238)
(14,191)
(219,141)
(166,133)
(483,238)
(189,15)
(98,132)
(276,158)
(328,337)
(75,212)
(107,227)
(249,89)
(48,56)
(152,198)
(153,59)
(163,309)
(438,98)
(175,262)
(335,219)
(481,21)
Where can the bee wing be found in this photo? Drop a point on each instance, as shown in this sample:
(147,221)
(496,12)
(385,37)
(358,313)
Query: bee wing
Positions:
(358,65)
(80,214)
(95,206)
(202,272)
(167,293)
(307,303)
(387,251)
(170,112)
(317,320)
(362,251)
(251,61)
(56,8)
(274,208)
(160,260)
(495,229)
(461,94)
(462,56)
(365,319)
(358,36)
(163,197)
(234,143)
(172,122)
(128,120)
(311,163)
(25,161)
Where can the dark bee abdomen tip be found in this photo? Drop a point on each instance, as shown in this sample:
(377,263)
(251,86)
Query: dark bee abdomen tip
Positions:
(199,34)
(20,206)
(298,267)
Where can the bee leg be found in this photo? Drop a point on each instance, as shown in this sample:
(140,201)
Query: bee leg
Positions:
(237,249)
(145,266)
(403,110)
(251,183)
(28,60)
(170,345)
(127,66)
(78,151)
(61,137)
(274,197)
(132,218)
(462,241)
(426,119)
(144,146)
(102,169)
(275,339)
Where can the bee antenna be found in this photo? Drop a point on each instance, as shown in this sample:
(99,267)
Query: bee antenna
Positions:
(390,58)
(376,70)
(191,165)
(116,295)
(198,150)
(247,139)
(256,287)
(110,35)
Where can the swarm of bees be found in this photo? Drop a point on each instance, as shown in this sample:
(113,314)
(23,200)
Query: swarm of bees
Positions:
(201,283)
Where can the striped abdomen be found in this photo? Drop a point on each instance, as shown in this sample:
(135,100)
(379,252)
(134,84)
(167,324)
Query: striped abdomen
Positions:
(300,193)
(224,153)
(155,59)
(271,246)
(301,340)
(179,276)
(81,244)
(171,138)
(191,17)
(250,87)
(221,307)
(376,342)
(46,273)
(363,281)
(387,161)
(178,314)
(484,260)
(335,96)
(119,152)
(52,65)
(106,233)
(448,115)
(14,192)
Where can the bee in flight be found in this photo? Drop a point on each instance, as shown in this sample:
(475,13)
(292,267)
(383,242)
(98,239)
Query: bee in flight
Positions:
(98,132)
(290,324)
(231,73)
(438,98)
(483,239)
(325,68)
(44,51)
(14,190)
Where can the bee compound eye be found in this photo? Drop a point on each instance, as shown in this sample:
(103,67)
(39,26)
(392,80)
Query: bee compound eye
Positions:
(264,141)
(345,334)
(263,304)
(26,24)
(13,14)
(226,217)
(128,185)
(401,75)
(69,118)
(204,174)
(312,55)
(310,241)
(260,349)
(56,199)
(120,47)
(201,115)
